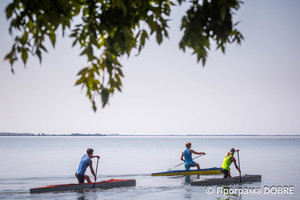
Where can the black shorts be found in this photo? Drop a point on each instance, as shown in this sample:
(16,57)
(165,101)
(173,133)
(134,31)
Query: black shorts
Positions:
(80,178)
(225,172)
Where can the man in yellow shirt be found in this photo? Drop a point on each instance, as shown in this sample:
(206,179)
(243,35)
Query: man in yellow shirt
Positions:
(227,162)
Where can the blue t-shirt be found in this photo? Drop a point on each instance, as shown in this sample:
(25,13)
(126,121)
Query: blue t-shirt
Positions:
(84,163)
(187,156)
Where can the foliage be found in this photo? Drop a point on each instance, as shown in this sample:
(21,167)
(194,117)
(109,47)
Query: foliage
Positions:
(115,28)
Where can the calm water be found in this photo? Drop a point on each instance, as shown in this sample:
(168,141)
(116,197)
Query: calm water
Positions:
(28,162)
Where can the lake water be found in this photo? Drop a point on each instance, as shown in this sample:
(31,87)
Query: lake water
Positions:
(28,162)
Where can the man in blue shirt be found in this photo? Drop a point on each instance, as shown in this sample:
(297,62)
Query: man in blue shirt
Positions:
(186,157)
(86,161)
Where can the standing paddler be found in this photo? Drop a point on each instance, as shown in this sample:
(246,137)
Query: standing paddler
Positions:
(227,162)
(86,161)
(186,157)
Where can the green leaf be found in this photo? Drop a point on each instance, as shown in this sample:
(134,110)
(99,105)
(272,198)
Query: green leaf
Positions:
(104,96)
(9,10)
(94,106)
(52,37)
(120,71)
(38,53)
(24,39)
(24,55)
(159,37)
(81,80)
(83,71)
(74,43)
(43,47)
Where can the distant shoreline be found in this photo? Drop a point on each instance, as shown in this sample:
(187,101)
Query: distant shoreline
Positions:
(120,135)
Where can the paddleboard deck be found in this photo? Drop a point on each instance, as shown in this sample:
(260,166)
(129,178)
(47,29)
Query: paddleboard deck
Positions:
(207,171)
(103,184)
(227,181)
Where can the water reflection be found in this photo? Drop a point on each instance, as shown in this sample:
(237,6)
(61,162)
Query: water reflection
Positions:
(187,179)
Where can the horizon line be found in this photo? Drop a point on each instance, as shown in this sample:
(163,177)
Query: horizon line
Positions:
(119,134)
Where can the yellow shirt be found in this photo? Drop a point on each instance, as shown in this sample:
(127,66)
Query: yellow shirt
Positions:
(227,162)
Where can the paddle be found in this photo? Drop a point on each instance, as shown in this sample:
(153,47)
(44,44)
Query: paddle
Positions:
(239,165)
(183,163)
(96,173)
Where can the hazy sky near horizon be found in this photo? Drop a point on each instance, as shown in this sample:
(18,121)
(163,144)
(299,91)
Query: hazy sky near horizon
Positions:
(253,89)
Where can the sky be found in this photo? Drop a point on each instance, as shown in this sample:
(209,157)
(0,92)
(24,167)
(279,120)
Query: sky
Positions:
(254,88)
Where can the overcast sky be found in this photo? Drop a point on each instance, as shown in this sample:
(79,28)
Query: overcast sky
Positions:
(252,89)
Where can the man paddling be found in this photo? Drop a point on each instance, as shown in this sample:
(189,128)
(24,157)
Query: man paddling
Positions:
(186,157)
(227,162)
(86,161)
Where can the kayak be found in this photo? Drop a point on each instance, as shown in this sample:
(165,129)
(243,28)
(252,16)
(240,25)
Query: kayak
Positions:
(207,171)
(103,184)
(226,181)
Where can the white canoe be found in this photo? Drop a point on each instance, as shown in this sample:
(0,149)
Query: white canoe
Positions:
(226,181)
(103,184)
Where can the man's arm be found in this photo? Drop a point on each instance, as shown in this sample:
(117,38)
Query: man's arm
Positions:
(96,156)
(195,152)
(92,170)
(234,161)
(181,158)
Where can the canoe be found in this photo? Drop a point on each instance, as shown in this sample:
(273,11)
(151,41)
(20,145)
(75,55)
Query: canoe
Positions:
(103,184)
(207,171)
(226,181)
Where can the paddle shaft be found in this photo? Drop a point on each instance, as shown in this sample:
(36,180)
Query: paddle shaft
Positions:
(96,172)
(239,165)
(183,162)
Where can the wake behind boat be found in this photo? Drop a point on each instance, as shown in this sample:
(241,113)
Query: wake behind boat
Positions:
(103,184)
(207,171)
(227,181)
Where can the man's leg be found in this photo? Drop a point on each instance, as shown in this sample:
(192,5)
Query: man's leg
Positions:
(229,175)
(80,178)
(198,166)
(187,167)
(225,172)
(87,178)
